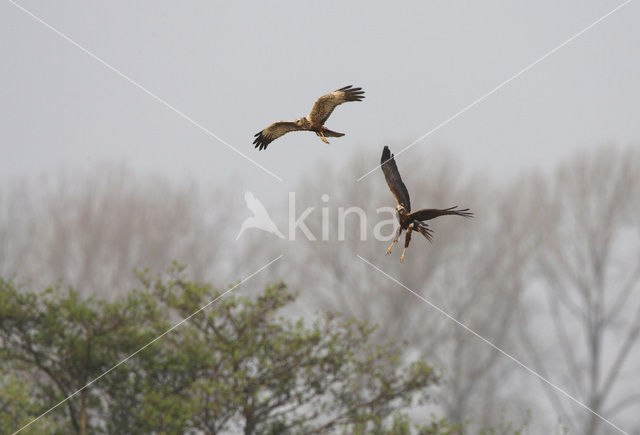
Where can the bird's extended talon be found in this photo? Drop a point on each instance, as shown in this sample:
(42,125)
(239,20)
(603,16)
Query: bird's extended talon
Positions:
(402,258)
(388,251)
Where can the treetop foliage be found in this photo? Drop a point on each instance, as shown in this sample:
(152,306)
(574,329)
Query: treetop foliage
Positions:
(239,365)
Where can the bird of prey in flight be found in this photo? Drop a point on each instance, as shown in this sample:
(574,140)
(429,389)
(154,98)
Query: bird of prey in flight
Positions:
(314,121)
(410,221)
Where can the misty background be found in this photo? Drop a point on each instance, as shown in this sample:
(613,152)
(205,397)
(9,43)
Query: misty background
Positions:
(99,179)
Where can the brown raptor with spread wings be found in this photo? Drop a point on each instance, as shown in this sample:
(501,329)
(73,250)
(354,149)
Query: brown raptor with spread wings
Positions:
(410,221)
(314,121)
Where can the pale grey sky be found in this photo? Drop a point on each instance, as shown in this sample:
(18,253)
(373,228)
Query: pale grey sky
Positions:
(235,68)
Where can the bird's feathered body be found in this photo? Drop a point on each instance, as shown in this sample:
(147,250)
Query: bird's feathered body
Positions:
(410,221)
(314,121)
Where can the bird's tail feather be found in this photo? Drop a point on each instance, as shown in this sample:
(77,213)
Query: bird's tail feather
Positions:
(426,232)
(331,133)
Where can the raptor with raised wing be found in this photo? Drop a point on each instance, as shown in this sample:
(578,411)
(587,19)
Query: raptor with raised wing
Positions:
(411,221)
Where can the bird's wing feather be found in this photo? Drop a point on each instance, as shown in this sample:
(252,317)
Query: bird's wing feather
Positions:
(432,213)
(323,107)
(265,137)
(392,175)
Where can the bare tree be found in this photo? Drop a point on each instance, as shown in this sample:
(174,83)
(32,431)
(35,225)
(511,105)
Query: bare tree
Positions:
(91,231)
(589,271)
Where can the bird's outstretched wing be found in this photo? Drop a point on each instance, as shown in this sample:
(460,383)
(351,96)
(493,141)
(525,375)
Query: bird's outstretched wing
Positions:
(265,137)
(323,107)
(394,181)
(432,213)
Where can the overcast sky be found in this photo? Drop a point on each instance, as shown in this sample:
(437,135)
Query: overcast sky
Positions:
(234,68)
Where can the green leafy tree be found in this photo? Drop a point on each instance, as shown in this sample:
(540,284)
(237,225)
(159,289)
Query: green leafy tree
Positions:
(244,368)
(238,366)
(17,407)
(63,342)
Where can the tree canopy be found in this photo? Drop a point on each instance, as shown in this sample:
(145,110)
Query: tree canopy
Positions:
(238,366)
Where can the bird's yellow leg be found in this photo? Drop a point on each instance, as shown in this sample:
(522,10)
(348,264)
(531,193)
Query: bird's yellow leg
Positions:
(402,256)
(324,139)
(391,246)
(395,240)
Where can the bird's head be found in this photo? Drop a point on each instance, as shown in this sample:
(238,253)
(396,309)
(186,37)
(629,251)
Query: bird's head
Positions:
(302,122)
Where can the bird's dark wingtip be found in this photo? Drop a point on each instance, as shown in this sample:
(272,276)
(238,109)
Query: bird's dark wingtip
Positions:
(260,142)
(465,212)
(353,94)
(386,155)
